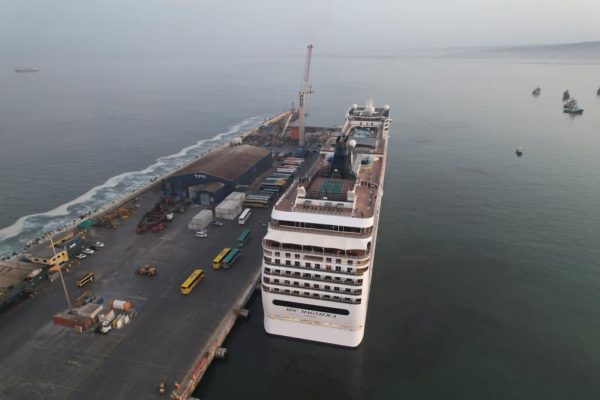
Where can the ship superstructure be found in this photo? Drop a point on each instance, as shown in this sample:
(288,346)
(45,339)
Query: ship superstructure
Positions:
(319,249)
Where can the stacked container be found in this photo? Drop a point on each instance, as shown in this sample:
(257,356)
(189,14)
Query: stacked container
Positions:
(231,206)
(201,220)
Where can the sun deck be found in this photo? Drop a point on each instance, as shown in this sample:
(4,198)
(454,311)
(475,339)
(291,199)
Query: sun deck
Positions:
(324,195)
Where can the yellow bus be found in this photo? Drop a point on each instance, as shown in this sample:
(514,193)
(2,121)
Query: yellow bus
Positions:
(192,281)
(218,260)
(85,279)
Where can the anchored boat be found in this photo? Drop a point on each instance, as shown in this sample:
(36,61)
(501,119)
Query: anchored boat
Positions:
(571,107)
(26,69)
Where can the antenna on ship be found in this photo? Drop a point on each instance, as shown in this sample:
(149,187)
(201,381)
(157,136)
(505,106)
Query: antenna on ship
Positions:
(305,90)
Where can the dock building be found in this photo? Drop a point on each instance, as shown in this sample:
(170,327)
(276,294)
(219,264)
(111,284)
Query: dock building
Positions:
(217,174)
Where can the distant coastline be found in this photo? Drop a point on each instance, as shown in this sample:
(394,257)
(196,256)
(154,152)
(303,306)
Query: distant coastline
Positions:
(579,51)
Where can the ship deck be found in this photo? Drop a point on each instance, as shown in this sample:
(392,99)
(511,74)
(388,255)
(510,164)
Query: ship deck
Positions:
(366,191)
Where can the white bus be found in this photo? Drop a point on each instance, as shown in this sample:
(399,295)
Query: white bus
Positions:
(244,216)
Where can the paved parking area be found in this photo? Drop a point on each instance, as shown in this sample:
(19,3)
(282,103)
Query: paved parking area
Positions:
(41,360)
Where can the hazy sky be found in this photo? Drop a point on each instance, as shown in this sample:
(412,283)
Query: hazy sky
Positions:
(174,28)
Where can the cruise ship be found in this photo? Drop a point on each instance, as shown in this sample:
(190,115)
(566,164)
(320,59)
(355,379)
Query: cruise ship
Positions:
(319,250)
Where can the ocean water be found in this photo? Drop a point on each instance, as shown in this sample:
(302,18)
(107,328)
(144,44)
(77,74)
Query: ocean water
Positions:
(487,275)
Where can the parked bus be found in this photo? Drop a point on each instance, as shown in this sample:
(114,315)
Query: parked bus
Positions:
(244,216)
(232,257)
(192,281)
(85,279)
(218,260)
(244,237)
(257,203)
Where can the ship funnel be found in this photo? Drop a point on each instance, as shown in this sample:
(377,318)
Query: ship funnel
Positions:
(342,158)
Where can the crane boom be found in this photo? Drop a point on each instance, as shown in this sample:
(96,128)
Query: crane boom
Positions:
(307,64)
(306,89)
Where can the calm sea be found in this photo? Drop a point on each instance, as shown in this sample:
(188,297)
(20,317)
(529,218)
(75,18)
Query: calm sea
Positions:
(487,276)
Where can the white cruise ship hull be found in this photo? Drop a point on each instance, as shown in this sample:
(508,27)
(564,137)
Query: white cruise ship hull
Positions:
(319,250)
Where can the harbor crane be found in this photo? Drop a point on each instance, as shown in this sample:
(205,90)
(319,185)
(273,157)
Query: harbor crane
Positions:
(305,89)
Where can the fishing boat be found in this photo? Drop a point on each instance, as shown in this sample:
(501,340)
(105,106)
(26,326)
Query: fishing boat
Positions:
(536,91)
(572,108)
(519,151)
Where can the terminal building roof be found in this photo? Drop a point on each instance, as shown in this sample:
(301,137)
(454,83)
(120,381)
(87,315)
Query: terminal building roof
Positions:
(227,163)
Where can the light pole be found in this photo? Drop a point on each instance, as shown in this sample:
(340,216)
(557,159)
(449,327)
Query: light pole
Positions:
(61,277)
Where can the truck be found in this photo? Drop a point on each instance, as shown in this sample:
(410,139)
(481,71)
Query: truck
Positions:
(147,270)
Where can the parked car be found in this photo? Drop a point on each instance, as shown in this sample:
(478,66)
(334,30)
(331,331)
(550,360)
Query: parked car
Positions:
(88,251)
(201,234)
(216,223)
(81,256)
(104,328)
(99,244)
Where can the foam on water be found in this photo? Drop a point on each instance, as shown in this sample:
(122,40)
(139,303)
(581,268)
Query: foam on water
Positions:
(30,227)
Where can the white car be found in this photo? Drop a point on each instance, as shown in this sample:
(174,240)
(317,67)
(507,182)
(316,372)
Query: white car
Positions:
(81,256)
(201,234)
(106,327)
(88,251)
(216,223)
(98,244)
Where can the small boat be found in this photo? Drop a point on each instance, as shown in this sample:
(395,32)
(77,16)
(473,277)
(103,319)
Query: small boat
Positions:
(598,92)
(569,104)
(519,151)
(536,91)
(26,69)
(572,108)
(566,95)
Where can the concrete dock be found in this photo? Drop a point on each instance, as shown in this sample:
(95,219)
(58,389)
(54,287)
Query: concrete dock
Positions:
(173,336)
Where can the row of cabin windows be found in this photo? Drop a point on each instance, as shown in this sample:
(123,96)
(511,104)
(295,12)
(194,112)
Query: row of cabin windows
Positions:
(327,259)
(314,295)
(336,228)
(307,265)
(312,286)
(311,276)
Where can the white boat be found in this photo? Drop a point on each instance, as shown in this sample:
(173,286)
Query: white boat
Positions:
(319,249)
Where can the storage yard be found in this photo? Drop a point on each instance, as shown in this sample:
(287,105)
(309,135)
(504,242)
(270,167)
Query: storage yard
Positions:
(165,338)
(132,329)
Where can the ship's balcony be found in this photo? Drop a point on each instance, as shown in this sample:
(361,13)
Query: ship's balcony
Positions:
(365,233)
(356,272)
(307,286)
(359,257)
(310,277)
(313,295)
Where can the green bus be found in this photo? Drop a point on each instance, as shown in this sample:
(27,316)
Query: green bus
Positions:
(244,237)
(231,257)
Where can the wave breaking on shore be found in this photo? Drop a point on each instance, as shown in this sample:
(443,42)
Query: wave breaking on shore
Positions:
(27,229)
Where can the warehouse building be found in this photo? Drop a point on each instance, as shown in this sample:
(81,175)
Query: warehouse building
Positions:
(217,174)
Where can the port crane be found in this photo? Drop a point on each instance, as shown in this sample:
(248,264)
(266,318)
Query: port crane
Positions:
(305,89)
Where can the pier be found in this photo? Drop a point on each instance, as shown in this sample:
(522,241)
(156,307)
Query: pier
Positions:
(170,338)
(173,338)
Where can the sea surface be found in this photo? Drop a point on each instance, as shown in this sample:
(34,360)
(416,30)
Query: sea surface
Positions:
(487,276)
